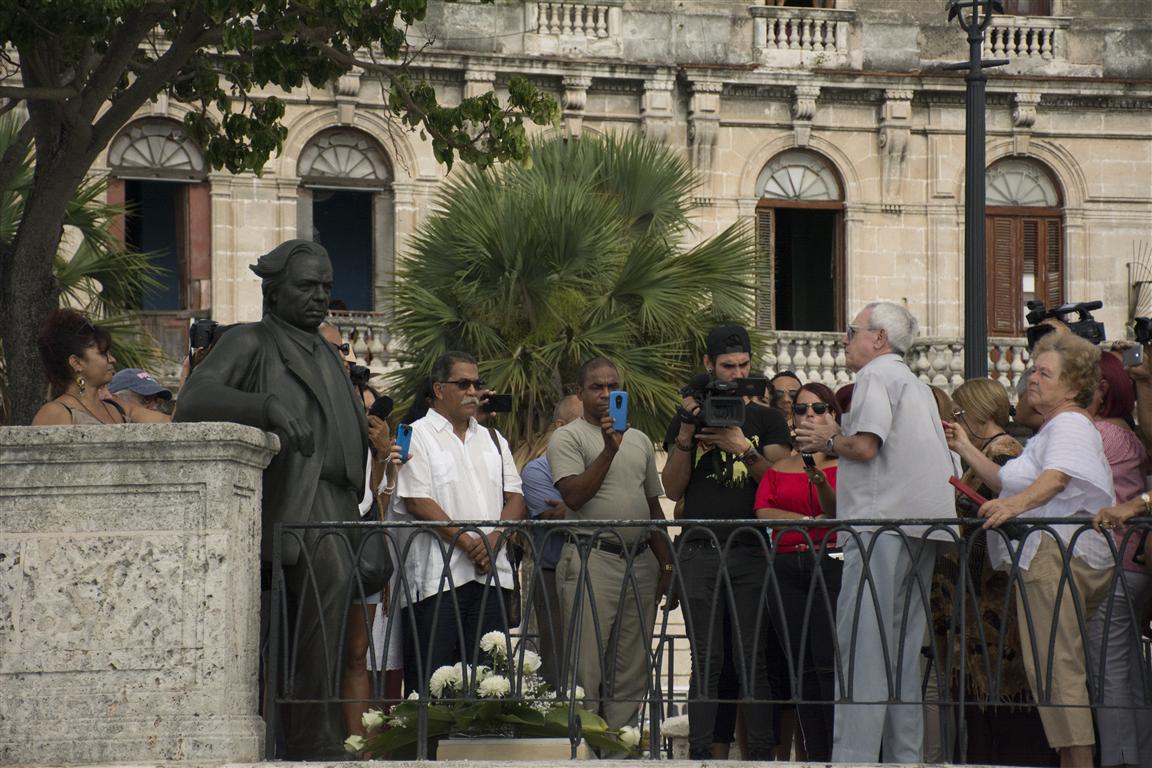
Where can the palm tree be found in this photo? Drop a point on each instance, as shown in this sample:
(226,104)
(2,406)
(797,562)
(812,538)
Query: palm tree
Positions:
(100,276)
(578,253)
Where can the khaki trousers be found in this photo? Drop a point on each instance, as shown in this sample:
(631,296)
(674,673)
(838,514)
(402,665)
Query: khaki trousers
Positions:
(1071,724)
(608,614)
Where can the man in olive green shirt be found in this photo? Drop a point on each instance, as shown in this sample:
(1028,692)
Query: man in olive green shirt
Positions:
(602,474)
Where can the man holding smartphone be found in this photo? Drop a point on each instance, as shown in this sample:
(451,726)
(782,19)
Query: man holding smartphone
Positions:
(458,470)
(716,471)
(612,578)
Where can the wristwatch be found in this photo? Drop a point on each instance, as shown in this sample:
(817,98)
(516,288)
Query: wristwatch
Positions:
(830,446)
(1147,499)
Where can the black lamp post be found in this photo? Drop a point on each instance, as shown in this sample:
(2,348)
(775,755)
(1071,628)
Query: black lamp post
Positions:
(974,15)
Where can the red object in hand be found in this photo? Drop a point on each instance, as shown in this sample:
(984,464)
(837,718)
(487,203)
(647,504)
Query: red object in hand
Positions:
(968,491)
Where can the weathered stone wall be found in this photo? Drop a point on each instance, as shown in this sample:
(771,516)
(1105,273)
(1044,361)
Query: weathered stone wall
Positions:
(129,593)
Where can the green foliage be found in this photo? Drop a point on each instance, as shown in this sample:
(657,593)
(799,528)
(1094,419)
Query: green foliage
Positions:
(535,268)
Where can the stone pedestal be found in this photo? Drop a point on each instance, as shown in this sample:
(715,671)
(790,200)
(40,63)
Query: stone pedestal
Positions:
(129,593)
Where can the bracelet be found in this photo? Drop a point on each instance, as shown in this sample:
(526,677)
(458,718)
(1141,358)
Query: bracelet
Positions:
(1147,499)
(751,455)
(686,448)
(387,490)
(667,568)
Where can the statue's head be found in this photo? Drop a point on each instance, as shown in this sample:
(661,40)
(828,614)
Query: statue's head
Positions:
(297,283)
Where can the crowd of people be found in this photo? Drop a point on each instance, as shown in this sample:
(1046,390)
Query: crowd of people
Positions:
(819,560)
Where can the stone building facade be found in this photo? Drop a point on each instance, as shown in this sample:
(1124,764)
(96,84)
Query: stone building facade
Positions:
(828,125)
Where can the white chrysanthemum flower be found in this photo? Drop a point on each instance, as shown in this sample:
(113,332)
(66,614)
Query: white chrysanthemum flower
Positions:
(373,718)
(495,643)
(494,687)
(444,677)
(630,736)
(414,696)
(482,672)
(530,663)
(354,744)
(579,693)
(456,676)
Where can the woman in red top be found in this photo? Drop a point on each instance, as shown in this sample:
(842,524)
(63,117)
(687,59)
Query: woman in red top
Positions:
(803,487)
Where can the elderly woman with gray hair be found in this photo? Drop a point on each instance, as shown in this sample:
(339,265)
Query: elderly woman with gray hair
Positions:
(1061,473)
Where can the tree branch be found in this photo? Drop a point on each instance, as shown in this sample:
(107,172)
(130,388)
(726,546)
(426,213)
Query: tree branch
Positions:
(39,93)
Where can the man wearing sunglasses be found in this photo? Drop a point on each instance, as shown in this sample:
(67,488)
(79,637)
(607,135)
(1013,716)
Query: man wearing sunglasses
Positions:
(894,465)
(458,470)
(716,471)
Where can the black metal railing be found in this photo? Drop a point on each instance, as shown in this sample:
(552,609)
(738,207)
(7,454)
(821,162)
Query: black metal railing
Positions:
(729,585)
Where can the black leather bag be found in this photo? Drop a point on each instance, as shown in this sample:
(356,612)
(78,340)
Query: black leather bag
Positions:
(374,561)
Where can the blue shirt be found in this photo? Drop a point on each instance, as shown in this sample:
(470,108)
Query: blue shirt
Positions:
(538,491)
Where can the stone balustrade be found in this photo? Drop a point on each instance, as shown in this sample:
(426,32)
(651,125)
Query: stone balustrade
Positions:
(1026,37)
(594,19)
(819,33)
(370,341)
(817,356)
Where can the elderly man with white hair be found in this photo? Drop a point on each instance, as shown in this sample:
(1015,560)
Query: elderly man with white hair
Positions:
(894,465)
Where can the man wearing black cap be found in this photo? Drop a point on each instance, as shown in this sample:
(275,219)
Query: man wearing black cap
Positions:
(716,471)
(279,374)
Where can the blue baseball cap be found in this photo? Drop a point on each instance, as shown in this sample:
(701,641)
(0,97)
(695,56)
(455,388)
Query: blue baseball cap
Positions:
(138,381)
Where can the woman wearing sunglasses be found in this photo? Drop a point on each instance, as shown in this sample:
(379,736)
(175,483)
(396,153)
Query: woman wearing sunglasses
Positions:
(803,487)
(782,391)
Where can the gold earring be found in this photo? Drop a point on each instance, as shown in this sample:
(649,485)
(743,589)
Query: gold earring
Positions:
(80,382)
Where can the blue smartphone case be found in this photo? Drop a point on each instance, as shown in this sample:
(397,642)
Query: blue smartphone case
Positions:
(618,409)
(404,439)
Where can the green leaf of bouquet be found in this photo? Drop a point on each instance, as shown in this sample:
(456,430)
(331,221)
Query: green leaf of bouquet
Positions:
(605,741)
(590,722)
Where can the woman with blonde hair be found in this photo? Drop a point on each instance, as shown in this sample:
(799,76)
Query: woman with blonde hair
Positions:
(1061,473)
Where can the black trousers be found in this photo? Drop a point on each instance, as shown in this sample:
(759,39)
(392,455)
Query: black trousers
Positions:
(446,628)
(730,585)
(809,646)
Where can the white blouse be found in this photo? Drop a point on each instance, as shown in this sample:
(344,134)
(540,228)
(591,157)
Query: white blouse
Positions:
(1070,443)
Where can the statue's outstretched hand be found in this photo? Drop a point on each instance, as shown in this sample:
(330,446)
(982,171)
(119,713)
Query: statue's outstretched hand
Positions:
(294,432)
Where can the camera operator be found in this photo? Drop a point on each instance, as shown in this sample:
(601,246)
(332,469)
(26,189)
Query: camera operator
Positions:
(716,471)
(358,373)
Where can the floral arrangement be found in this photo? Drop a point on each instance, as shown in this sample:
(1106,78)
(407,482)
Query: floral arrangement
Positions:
(508,698)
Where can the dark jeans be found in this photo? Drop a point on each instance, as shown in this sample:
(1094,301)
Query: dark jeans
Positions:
(810,647)
(709,599)
(446,628)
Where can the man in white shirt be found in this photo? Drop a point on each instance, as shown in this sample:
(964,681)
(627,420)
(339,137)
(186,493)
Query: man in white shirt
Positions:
(894,465)
(456,579)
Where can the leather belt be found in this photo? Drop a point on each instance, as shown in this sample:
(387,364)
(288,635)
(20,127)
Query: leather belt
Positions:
(607,545)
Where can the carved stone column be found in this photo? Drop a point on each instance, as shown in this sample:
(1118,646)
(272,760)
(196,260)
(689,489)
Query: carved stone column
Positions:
(656,106)
(347,91)
(575,101)
(803,110)
(704,127)
(895,130)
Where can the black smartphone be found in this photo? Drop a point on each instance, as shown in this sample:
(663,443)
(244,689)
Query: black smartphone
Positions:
(808,460)
(497,404)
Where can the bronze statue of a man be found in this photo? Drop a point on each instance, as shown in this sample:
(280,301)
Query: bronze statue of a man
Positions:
(280,375)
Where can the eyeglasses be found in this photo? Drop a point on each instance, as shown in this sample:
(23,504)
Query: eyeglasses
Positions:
(789,393)
(958,412)
(345,347)
(817,408)
(466,384)
(854,329)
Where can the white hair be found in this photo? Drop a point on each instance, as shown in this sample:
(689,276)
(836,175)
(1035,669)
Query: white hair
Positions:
(898,323)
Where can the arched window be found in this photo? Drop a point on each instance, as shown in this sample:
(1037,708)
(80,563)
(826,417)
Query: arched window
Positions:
(346,205)
(159,173)
(799,228)
(1024,242)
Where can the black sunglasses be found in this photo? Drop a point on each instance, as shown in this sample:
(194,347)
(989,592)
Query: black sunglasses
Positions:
(779,393)
(464,384)
(817,408)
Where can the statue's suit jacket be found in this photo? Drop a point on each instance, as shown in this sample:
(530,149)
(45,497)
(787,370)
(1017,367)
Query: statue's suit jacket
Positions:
(255,362)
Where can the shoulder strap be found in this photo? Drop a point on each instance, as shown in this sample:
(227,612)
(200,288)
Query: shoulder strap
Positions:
(500,452)
(119,408)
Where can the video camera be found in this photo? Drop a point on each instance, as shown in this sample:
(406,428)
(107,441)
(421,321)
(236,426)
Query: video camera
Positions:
(1142,328)
(721,402)
(359,374)
(202,333)
(1084,326)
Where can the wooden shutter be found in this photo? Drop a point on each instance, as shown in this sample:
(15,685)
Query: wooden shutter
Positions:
(765,268)
(197,245)
(1053,262)
(1004,303)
